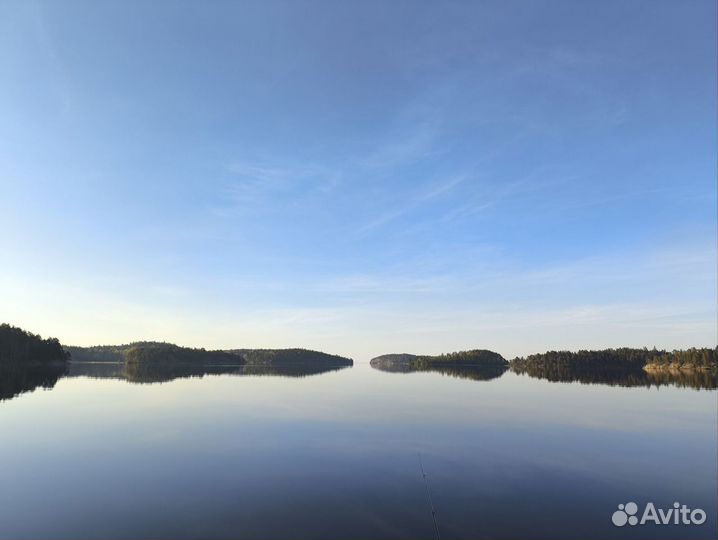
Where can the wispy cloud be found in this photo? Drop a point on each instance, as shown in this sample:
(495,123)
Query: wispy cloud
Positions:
(422,196)
(443,187)
(413,143)
(252,186)
(253,182)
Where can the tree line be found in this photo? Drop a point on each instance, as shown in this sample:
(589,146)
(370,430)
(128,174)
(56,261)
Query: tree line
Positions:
(110,353)
(622,358)
(168,354)
(475,357)
(20,347)
(155,351)
(290,356)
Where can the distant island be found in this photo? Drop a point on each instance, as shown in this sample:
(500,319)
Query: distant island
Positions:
(477,364)
(273,357)
(152,351)
(476,357)
(145,352)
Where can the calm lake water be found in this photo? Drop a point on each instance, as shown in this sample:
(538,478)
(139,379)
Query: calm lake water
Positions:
(336,455)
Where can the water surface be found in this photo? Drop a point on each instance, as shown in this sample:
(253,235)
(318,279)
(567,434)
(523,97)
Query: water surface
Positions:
(336,455)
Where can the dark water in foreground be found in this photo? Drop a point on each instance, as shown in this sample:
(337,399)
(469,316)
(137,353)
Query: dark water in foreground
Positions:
(335,455)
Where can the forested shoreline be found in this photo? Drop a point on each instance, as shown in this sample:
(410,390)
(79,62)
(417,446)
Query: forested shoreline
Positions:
(19,347)
(260,357)
(28,361)
(703,359)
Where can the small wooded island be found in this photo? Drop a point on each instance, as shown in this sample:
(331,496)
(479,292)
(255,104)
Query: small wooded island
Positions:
(477,364)
(475,358)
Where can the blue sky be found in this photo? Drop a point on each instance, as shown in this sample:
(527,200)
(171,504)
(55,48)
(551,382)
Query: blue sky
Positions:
(360,177)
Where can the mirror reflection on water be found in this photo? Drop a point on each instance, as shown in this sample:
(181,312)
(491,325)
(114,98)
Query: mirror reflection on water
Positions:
(103,451)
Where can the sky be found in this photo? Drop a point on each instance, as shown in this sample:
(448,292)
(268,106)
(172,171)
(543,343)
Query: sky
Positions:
(360,177)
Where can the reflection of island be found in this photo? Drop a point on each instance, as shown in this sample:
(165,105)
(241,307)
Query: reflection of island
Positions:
(479,364)
(297,369)
(694,368)
(159,373)
(27,361)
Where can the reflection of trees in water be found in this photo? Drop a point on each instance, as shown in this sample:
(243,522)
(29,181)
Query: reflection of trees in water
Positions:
(621,377)
(156,373)
(294,370)
(96,370)
(560,373)
(151,373)
(693,379)
(472,372)
(15,380)
(693,368)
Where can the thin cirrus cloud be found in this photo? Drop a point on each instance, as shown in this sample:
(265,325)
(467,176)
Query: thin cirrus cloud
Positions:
(425,196)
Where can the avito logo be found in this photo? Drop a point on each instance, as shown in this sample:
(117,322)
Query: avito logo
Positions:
(678,515)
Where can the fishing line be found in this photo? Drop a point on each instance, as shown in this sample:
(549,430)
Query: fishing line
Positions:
(428,495)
